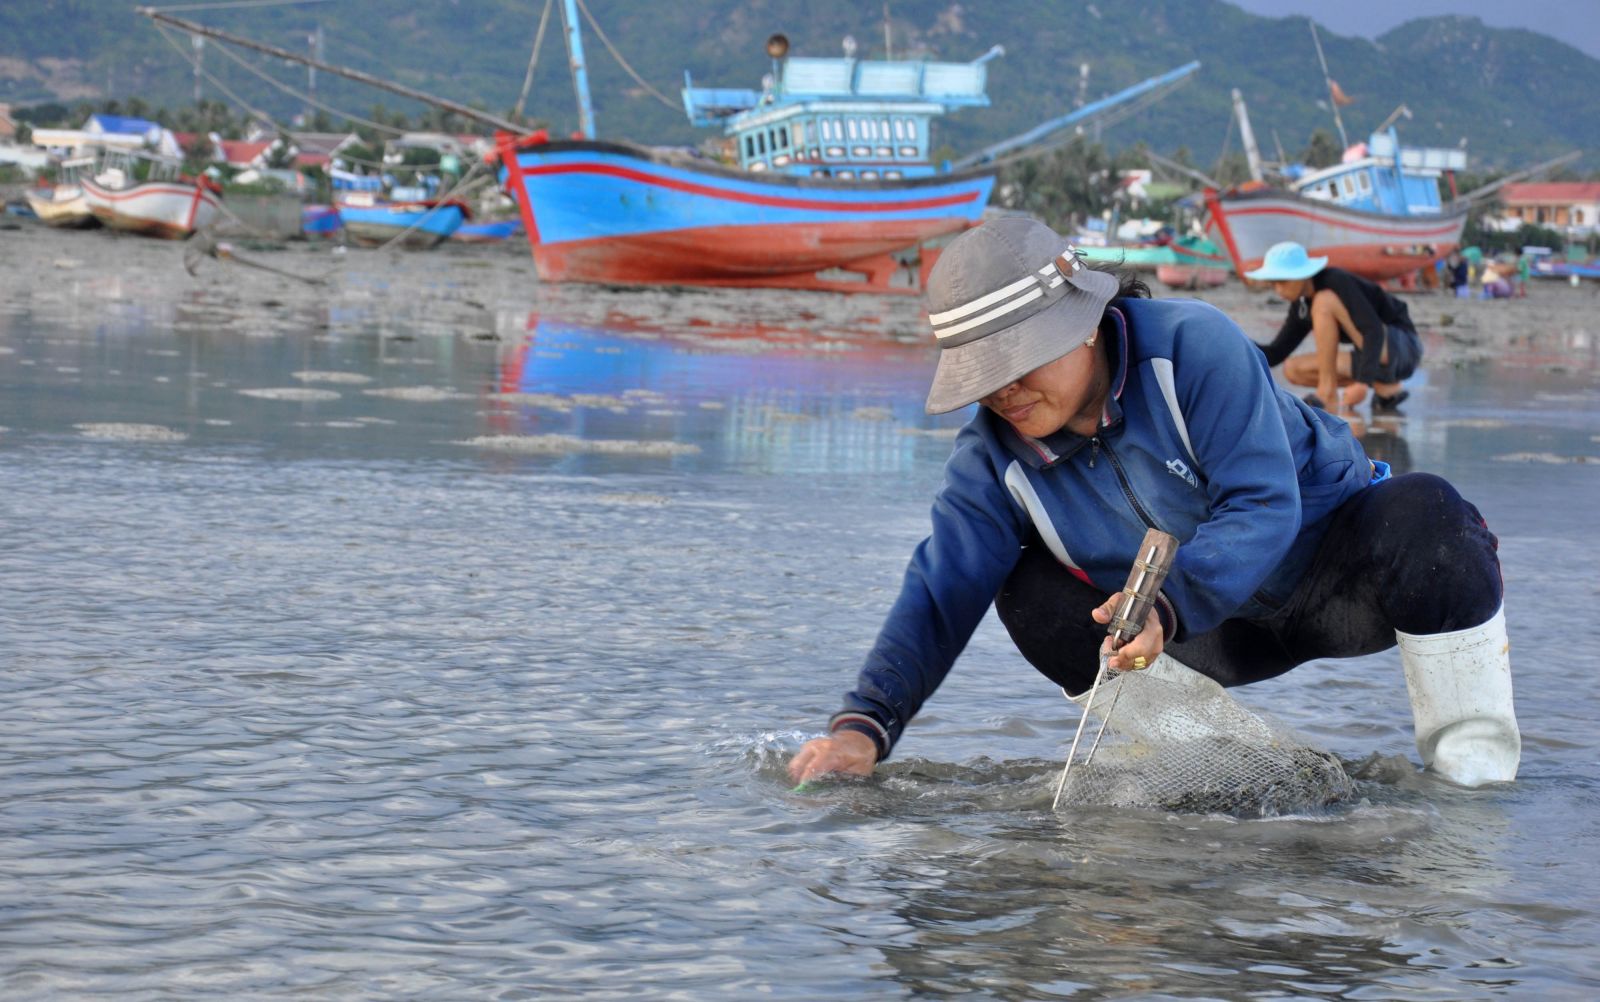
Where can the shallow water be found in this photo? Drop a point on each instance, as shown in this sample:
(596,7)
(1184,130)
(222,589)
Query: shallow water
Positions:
(435,635)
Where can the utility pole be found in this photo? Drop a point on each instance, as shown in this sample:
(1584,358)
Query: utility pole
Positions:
(314,40)
(198,44)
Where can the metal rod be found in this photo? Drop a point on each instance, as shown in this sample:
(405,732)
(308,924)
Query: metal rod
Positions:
(1062,783)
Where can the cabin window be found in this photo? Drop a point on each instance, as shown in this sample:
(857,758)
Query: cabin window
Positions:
(883,129)
(819,172)
(780,159)
(869,175)
(810,134)
(758,165)
(893,175)
(836,151)
(899,128)
(749,147)
(1577,217)
(799,135)
(1349,187)
(908,151)
(1365,182)
(883,152)
(861,151)
(846,174)
(911,128)
(850,124)
(1333,190)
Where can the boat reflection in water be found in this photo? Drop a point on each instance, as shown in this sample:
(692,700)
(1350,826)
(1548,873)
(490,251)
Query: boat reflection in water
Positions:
(744,394)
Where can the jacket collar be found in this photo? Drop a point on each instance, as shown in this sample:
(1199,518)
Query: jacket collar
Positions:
(1043,453)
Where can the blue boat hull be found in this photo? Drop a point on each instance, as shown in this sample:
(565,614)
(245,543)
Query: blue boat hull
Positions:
(616,213)
(485,233)
(416,225)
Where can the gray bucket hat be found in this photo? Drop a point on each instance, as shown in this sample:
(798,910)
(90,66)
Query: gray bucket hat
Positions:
(1004,299)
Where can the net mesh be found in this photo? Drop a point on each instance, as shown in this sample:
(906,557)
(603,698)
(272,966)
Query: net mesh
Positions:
(1175,740)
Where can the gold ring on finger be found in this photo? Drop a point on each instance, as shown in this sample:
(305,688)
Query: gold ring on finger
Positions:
(1140,662)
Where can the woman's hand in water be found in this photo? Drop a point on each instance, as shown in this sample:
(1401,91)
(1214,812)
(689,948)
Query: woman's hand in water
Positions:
(1146,645)
(842,751)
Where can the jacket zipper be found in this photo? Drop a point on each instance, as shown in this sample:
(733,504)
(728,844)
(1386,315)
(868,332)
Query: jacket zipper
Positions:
(1122,479)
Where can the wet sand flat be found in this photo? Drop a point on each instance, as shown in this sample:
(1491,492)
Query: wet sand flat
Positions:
(432,633)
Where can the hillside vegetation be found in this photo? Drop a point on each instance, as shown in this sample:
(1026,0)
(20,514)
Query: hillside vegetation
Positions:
(1513,96)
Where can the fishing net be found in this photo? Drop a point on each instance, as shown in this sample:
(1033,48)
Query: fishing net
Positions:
(1174,740)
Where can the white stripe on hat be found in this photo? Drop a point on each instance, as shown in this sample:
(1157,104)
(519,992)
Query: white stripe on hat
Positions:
(981,302)
(983,318)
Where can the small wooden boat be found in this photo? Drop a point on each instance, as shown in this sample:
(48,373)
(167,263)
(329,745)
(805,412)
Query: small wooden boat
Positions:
(145,194)
(420,225)
(63,204)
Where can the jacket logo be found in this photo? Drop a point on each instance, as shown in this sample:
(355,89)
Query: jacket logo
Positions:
(1180,469)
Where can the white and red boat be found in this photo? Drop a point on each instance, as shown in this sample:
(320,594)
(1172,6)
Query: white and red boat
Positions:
(1378,214)
(163,203)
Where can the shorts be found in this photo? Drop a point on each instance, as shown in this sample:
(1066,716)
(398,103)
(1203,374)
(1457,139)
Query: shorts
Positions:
(1404,352)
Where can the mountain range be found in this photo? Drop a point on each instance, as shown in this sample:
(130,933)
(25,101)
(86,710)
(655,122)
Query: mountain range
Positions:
(1510,96)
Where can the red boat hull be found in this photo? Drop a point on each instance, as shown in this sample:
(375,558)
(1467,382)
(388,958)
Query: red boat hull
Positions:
(787,255)
(1369,244)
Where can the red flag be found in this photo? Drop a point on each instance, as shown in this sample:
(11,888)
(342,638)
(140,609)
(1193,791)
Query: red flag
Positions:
(1340,98)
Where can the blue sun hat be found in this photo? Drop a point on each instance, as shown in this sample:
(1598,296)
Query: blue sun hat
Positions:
(1287,262)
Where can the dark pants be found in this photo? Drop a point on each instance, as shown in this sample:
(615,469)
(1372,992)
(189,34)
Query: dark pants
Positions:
(1407,554)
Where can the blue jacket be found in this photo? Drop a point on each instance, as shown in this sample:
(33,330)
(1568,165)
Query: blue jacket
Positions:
(1196,440)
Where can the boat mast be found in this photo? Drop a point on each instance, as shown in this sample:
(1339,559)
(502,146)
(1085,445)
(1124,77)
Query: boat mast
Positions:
(1247,136)
(580,75)
(1333,100)
(272,50)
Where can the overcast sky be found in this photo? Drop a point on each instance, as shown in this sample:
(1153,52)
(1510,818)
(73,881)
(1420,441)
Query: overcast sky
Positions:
(1576,22)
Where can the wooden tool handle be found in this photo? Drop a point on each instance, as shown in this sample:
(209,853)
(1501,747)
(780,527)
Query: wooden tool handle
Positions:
(1150,569)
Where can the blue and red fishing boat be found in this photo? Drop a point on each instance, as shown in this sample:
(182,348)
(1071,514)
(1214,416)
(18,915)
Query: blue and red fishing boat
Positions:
(826,180)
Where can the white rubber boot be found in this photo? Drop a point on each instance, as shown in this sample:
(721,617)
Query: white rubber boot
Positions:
(1460,687)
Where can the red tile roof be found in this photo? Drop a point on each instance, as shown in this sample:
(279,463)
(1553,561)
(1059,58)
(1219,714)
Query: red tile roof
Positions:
(1545,192)
(238,152)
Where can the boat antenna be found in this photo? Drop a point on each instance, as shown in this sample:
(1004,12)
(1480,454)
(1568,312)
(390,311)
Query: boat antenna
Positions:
(1333,100)
(888,45)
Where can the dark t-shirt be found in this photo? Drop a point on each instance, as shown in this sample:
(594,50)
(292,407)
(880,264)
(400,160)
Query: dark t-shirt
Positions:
(1371,310)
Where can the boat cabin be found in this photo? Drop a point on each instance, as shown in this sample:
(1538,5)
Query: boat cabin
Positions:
(125,168)
(1382,176)
(852,119)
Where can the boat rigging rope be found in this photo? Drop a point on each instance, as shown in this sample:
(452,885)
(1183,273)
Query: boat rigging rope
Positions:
(230,4)
(212,79)
(623,62)
(533,61)
(307,97)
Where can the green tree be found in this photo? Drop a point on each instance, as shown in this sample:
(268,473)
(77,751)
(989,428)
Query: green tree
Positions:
(197,154)
(1322,150)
